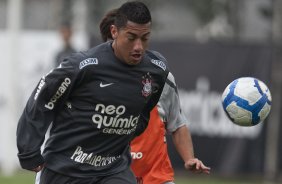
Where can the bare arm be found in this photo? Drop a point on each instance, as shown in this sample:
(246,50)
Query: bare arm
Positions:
(169,105)
(184,146)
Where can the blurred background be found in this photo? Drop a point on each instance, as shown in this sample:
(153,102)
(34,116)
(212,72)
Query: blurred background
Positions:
(208,44)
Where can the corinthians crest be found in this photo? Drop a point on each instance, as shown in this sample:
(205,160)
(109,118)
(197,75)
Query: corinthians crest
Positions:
(147,85)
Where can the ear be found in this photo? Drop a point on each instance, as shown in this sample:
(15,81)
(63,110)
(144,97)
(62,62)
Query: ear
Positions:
(114,31)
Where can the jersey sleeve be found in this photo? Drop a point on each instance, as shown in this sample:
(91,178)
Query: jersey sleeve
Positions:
(47,97)
(169,106)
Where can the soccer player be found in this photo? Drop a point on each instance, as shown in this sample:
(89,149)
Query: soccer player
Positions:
(97,101)
(151,163)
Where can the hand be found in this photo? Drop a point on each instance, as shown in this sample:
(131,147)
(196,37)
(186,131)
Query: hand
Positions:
(197,166)
(38,168)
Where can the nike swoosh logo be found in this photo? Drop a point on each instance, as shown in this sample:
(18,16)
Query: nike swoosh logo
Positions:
(105,85)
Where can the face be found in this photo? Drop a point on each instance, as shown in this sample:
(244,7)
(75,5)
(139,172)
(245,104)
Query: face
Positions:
(131,41)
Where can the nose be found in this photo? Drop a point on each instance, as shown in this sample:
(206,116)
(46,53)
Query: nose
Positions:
(138,45)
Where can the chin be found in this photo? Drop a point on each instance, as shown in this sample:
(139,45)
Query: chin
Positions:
(134,62)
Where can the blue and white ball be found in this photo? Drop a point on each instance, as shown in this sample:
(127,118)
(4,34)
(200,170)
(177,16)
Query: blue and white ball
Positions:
(246,101)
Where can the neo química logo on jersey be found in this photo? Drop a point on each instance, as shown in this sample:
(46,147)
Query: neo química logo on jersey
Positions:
(111,119)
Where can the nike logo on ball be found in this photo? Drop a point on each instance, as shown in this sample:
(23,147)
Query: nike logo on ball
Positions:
(105,85)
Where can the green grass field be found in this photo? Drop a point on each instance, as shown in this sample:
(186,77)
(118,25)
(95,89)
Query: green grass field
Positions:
(19,178)
(211,180)
(28,178)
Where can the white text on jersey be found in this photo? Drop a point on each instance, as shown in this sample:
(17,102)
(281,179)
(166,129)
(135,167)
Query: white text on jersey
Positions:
(88,61)
(63,87)
(89,158)
(40,85)
(111,119)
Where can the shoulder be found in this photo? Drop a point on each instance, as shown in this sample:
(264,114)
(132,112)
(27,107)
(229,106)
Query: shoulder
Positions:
(83,59)
(157,55)
(157,59)
(170,86)
(171,80)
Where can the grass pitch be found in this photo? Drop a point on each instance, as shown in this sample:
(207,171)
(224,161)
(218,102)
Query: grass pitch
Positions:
(25,177)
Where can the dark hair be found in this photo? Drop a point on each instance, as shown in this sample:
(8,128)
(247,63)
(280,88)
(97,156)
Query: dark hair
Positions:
(134,11)
(105,25)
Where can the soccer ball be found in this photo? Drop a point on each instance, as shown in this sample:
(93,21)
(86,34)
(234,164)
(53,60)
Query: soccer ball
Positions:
(246,101)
